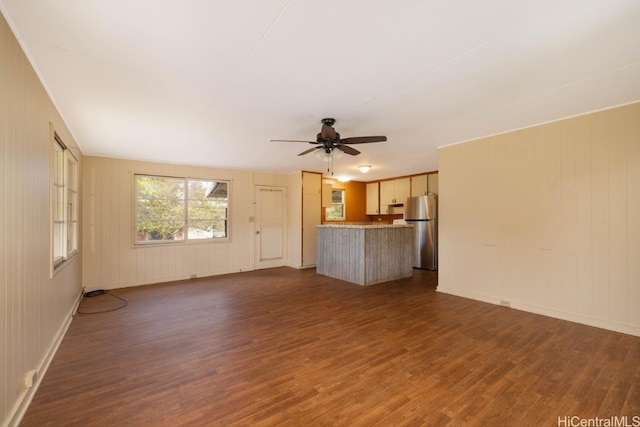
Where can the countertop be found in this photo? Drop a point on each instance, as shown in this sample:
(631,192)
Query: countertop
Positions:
(365,225)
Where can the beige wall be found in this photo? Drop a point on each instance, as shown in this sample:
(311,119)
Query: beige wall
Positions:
(111,261)
(35,308)
(547,219)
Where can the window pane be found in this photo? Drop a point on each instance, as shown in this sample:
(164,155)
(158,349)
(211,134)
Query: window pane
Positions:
(160,209)
(203,209)
(336,211)
(58,242)
(207,209)
(58,203)
(58,164)
(158,231)
(202,229)
(201,189)
(159,187)
(72,238)
(58,208)
(72,204)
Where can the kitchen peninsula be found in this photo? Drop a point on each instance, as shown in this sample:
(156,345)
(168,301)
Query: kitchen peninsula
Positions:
(365,254)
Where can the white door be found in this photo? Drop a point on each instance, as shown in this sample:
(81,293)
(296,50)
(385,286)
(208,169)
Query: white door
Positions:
(270,227)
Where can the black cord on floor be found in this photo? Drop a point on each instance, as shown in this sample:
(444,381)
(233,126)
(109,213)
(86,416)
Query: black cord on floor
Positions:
(103,292)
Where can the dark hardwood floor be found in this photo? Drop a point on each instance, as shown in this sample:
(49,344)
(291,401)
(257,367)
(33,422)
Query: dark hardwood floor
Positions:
(289,347)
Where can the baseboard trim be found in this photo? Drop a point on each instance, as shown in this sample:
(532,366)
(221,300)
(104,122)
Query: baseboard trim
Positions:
(157,281)
(544,311)
(22,404)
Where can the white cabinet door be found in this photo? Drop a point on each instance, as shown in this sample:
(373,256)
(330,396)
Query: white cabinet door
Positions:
(394,192)
(419,185)
(327,188)
(387,195)
(433,183)
(373,203)
(402,189)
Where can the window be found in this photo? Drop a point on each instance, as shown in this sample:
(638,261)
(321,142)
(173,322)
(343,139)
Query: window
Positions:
(171,209)
(64,204)
(336,211)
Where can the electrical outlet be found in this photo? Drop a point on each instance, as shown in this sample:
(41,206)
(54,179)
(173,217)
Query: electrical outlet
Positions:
(30,378)
(505,303)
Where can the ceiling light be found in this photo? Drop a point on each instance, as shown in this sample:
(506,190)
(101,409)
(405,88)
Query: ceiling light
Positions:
(364,168)
(344,178)
(322,154)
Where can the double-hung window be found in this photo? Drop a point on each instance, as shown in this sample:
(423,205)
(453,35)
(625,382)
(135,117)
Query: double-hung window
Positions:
(336,211)
(64,204)
(178,209)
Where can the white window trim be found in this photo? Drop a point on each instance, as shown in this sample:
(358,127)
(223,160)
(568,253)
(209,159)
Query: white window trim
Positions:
(64,214)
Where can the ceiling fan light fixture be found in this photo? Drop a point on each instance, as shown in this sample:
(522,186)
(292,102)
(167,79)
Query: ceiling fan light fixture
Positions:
(321,155)
(326,156)
(364,168)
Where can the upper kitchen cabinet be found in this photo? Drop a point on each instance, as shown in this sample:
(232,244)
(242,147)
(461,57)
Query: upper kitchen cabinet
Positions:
(373,200)
(433,183)
(394,192)
(327,189)
(419,185)
(423,184)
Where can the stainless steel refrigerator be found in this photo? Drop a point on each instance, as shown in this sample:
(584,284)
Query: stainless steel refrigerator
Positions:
(422,213)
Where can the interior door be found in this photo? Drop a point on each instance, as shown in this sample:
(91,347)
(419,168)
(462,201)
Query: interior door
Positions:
(270,226)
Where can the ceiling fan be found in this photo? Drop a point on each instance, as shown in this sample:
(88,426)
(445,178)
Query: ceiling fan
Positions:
(328,140)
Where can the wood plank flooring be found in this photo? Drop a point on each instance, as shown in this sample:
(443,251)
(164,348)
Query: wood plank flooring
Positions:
(288,347)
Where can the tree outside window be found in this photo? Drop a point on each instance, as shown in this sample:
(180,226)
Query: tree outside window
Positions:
(170,209)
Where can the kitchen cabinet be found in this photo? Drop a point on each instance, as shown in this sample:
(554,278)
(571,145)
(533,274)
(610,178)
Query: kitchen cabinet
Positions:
(419,185)
(424,184)
(373,201)
(327,188)
(394,192)
(433,183)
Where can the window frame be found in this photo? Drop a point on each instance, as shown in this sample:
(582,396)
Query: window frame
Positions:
(186,220)
(333,205)
(64,207)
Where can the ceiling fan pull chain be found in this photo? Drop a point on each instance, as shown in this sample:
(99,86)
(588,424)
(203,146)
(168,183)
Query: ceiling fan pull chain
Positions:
(331,162)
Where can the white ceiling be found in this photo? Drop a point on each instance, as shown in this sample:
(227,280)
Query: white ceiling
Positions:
(212,82)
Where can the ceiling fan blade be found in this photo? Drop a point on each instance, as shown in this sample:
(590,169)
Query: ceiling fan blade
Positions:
(363,139)
(348,150)
(328,132)
(310,150)
(293,140)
